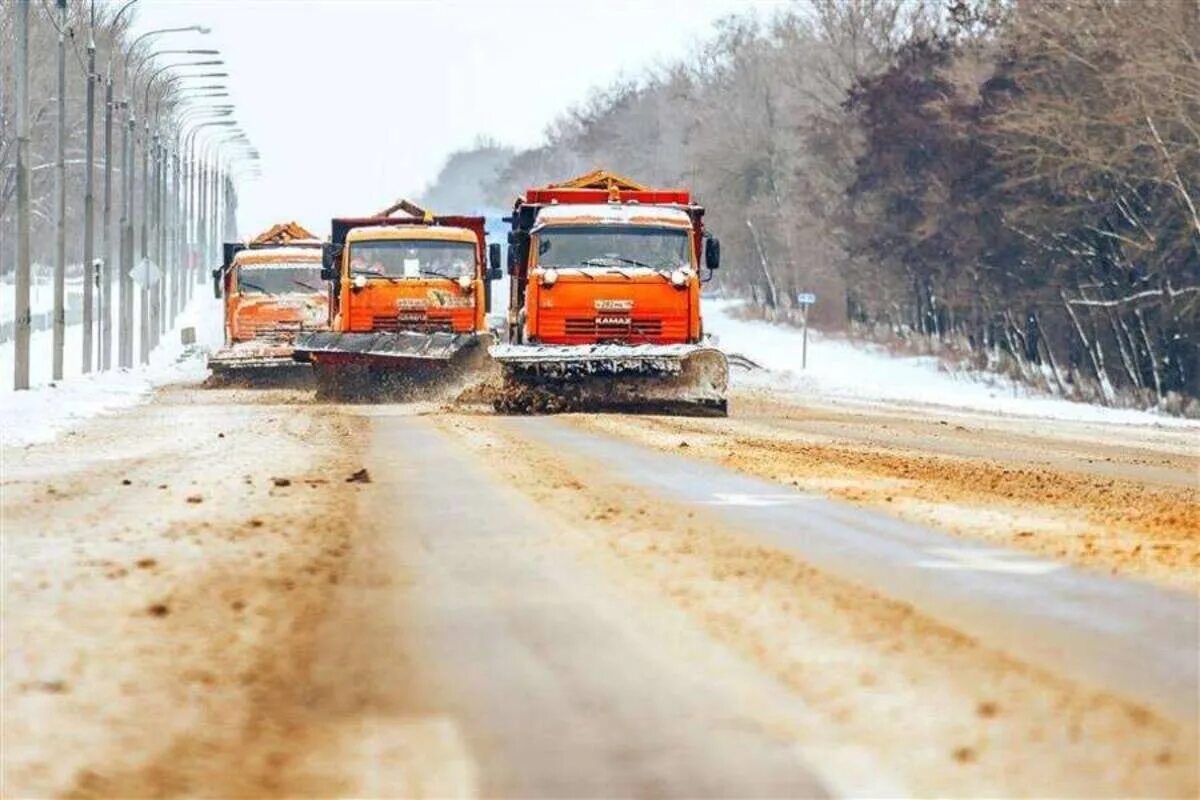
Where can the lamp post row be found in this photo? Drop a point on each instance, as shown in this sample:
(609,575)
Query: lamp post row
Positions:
(182,198)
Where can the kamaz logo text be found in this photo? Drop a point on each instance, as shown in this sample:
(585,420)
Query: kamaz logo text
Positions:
(405,303)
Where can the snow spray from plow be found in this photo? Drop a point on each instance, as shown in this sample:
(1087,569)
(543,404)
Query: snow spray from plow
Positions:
(674,378)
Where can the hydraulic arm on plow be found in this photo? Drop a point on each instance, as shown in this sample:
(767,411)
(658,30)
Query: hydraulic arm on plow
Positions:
(604,302)
(272,290)
(408,304)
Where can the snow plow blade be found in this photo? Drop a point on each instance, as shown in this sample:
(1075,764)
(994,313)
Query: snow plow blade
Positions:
(392,365)
(666,379)
(382,347)
(252,364)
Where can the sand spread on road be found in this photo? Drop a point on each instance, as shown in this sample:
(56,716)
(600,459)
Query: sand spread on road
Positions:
(1131,511)
(937,711)
(165,569)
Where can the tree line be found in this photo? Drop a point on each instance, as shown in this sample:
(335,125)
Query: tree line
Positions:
(1012,184)
(43,94)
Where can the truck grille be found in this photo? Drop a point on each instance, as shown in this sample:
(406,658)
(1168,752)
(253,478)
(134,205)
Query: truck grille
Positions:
(419,323)
(276,331)
(613,327)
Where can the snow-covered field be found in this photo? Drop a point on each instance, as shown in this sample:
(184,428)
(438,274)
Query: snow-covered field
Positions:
(50,407)
(853,371)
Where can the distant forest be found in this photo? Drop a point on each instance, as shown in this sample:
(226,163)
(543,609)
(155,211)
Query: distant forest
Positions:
(1011,184)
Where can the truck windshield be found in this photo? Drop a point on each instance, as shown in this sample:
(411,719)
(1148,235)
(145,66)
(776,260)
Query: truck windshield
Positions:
(612,246)
(412,258)
(280,279)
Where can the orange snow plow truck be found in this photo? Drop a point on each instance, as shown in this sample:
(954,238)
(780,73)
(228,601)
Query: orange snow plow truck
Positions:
(604,302)
(408,307)
(272,290)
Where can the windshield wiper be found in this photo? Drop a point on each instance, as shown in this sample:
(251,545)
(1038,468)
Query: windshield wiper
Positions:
(632,261)
(436,273)
(255,286)
(367,274)
(307,285)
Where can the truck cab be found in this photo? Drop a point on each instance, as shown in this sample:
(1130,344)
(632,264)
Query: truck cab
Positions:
(604,301)
(273,293)
(408,304)
(618,264)
(423,279)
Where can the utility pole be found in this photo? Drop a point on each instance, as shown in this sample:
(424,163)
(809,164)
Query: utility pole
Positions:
(160,177)
(125,331)
(144,311)
(106,268)
(177,223)
(89,200)
(60,218)
(21,316)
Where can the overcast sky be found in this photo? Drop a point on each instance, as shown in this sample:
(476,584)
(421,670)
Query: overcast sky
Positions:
(353,103)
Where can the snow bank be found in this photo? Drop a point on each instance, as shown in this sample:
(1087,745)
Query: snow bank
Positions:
(42,412)
(841,370)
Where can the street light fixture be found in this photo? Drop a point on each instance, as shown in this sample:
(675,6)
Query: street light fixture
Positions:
(129,130)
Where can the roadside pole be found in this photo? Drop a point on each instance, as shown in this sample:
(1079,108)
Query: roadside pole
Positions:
(21,315)
(60,217)
(123,276)
(144,310)
(805,299)
(804,340)
(106,246)
(89,200)
(177,223)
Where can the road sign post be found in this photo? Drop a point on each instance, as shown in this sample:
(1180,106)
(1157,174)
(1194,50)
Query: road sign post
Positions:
(805,299)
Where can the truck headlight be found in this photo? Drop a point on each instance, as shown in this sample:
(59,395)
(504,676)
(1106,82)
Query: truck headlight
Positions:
(359,282)
(464,282)
(679,278)
(549,277)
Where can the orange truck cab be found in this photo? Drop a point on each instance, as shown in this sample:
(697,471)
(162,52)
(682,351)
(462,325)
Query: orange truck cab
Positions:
(272,290)
(605,295)
(408,291)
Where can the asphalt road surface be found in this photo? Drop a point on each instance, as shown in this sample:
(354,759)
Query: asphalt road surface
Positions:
(287,599)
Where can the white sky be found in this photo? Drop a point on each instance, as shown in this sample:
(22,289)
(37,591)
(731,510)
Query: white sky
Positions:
(354,103)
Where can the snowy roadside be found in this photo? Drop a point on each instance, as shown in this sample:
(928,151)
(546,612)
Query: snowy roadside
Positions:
(51,407)
(857,372)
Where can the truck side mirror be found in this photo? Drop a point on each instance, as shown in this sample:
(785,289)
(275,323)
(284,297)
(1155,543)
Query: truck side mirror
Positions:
(712,252)
(216,276)
(329,257)
(495,271)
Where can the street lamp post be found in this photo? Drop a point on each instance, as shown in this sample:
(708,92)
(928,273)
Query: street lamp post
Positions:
(59,335)
(198,193)
(21,315)
(177,246)
(150,295)
(89,200)
(109,257)
(166,254)
(129,134)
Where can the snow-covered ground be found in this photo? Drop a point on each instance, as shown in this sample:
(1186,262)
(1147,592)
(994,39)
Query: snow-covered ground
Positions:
(41,413)
(842,370)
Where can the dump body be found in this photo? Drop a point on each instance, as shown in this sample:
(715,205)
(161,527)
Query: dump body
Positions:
(605,301)
(408,304)
(272,290)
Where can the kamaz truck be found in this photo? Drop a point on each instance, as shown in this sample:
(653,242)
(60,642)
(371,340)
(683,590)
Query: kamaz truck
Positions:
(604,302)
(408,304)
(272,291)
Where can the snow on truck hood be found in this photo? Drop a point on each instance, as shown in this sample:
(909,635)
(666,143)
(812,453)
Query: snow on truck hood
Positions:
(613,214)
(277,256)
